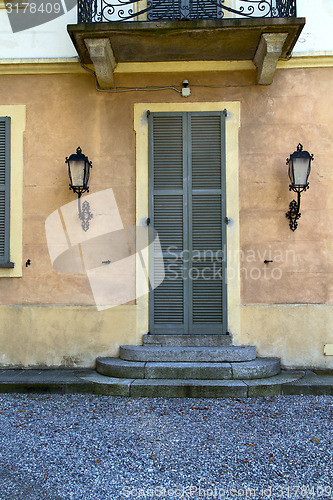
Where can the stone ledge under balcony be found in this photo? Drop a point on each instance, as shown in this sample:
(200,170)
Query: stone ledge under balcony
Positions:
(213,40)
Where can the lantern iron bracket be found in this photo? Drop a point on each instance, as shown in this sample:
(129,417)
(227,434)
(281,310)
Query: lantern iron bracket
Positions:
(85,214)
(294,214)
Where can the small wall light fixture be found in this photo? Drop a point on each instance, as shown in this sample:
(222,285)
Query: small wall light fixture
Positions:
(299,170)
(79,171)
(186,91)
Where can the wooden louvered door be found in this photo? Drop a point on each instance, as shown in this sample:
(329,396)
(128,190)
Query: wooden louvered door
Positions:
(4,189)
(187,209)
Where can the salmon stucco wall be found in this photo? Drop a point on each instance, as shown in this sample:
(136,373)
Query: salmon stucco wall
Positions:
(285,307)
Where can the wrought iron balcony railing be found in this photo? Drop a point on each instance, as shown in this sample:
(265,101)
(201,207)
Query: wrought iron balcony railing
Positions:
(101,11)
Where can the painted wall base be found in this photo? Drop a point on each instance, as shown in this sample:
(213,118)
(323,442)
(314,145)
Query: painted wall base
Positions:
(45,336)
(296,333)
(42,336)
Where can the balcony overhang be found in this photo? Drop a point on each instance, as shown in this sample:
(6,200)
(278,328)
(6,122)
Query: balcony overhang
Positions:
(262,41)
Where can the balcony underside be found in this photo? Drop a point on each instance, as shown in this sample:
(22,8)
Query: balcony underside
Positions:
(262,41)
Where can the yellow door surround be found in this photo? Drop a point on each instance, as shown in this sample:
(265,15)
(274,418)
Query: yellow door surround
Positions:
(232,202)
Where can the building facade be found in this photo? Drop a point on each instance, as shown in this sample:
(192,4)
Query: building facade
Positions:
(188,120)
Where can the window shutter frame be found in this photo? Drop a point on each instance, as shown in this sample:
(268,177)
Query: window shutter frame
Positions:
(5,125)
(207,228)
(174,193)
(178,183)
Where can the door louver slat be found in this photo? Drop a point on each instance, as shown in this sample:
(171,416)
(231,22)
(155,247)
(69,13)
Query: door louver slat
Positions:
(168,153)
(2,224)
(169,296)
(206,222)
(2,153)
(207,291)
(4,188)
(168,220)
(206,152)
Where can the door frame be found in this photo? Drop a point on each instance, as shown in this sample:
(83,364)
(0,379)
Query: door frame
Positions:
(189,325)
(232,125)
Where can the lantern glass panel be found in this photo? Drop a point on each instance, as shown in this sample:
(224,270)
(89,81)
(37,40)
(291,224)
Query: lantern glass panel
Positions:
(87,174)
(301,167)
(291,172)
(77,172)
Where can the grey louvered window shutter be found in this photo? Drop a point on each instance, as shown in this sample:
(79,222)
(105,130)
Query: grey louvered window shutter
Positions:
(187,209)
(168,10)
(183,9)
(207,239)
(166,209)
(4,191)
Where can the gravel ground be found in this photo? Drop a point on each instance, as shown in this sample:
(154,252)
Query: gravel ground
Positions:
(100,447)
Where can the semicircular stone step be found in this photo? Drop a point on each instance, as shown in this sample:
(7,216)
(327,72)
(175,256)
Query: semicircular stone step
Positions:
(243,370)
(188,340)
(188,354)
(119,368)
(258,368)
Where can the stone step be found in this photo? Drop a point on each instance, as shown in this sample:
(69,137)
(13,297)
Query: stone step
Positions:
(187,340)
(246,370)
(284,383)
(89,382)
(188,354)
(188,388)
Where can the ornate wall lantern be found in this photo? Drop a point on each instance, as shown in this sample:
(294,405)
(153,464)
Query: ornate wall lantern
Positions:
(79,171)
(299,170)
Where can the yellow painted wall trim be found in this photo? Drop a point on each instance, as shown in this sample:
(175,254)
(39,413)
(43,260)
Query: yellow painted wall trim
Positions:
(314,61)
(71,65)
(232,169)
(181,66)
(68,65)
(309,61)
(17,115)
